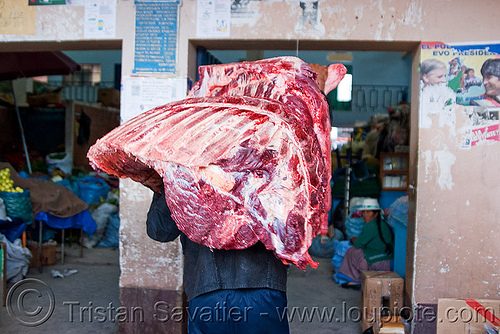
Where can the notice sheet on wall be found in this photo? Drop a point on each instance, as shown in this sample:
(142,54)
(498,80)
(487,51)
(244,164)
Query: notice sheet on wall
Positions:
(140,94)
(100,19)
(156,37)
(213,18)
(16,18)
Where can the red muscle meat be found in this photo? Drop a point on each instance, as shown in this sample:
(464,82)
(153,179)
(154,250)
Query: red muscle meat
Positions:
(286,79)
(238,167)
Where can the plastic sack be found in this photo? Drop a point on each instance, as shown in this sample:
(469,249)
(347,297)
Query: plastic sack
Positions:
(12,229)
(398,212)
(71,185)
(59,160)
(322,246)
(91,188)
(111,236)
(18,205)
(18,259)
(340,248)
(354,227)
(101,217)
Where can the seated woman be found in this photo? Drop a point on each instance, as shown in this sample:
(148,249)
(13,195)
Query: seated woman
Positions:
(372,250)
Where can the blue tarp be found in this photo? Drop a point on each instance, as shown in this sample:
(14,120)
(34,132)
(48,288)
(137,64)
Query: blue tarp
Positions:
(81,220)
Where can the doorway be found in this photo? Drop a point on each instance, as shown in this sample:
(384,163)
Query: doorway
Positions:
(368,59)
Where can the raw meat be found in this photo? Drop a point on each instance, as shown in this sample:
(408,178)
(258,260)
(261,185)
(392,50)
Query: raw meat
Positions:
(237,170)
(336,73)
(246,163)
(286,79)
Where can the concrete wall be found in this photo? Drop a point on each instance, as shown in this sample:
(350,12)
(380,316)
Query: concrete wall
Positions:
(453,251)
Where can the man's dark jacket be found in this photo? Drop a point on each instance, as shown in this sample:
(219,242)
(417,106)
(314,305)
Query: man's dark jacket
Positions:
(207,270)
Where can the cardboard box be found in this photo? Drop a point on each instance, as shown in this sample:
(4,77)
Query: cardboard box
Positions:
(109,97)
(44,100)
(393,326)
(382,297)
(471,316)
(48,253)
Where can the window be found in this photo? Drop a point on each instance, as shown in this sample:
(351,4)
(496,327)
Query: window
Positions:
(89,75)
(344,90)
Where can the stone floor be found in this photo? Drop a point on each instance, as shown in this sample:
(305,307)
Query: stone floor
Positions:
(316,303)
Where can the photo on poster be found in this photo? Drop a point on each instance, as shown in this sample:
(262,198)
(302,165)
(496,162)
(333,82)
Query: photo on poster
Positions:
(472,72)
(458,75)
(482,126)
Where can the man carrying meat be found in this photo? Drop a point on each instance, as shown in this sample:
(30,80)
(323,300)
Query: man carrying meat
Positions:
(228,291)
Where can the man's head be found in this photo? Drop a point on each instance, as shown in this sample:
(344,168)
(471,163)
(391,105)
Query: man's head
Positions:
(491,76)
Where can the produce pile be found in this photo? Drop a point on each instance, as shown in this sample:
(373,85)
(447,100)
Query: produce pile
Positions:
(7,184)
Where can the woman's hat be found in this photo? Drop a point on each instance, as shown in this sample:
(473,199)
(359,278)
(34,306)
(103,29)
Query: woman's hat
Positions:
(369,204)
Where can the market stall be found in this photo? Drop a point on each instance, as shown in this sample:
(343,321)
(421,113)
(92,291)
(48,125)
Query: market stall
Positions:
(52,204)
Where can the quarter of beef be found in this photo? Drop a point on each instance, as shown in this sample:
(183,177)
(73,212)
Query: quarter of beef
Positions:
(286,79)
(236,170)
(244,158)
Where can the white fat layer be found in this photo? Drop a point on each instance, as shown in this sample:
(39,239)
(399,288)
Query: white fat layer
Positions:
(216,176)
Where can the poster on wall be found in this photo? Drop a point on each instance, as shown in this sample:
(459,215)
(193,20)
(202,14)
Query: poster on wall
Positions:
(100,19)
(156,37)
(213,18)
(461,80)
(141,94)
(16,18)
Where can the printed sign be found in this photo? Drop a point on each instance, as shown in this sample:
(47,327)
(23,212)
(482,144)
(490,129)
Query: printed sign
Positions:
(16,18)
(141,94)
(461,80)
(213,18)
(100,19)
(156,37)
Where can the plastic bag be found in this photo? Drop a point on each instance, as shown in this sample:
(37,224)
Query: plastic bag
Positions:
(59,160)
(101,217)
(111,236)
(322,246)
(18,259)
(92,188)
(354,227)
(340,248)
(398,212)
(12,229)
